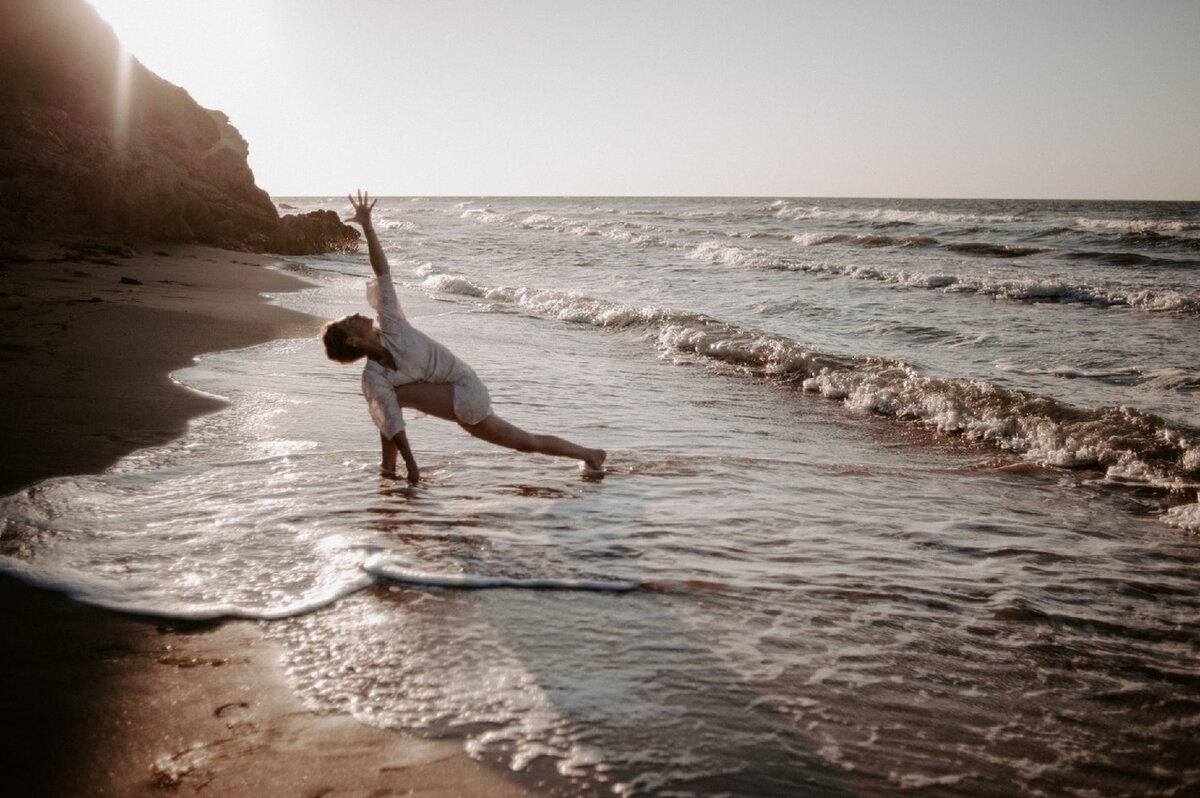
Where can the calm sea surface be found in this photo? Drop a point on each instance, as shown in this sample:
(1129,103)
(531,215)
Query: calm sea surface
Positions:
(908,490)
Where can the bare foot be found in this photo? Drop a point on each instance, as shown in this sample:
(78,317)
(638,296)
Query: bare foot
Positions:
(595,460)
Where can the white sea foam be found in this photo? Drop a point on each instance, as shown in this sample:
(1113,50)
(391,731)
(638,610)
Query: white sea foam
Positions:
(452,284)
(1127,444)
(121,576)
(620,232)
(543,221)
(1185,517)
(722,254)
(1174,226)
(817,239)
(400,569)
(786,210)
(1033,289)
(484,215)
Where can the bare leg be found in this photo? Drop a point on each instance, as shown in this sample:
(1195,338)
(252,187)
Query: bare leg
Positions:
(437,399)
(494,429)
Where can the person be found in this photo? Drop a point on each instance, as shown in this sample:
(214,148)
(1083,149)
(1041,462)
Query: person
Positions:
(407,368)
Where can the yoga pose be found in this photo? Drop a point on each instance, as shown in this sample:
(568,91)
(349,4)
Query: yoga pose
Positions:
(407,368)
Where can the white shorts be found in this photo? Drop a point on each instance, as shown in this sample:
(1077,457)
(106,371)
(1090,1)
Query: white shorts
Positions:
(472,403)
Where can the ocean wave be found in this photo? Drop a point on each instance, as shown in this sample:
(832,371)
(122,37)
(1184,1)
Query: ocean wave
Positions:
(817,239)
(996,250)
(1026,289)
(874,241)
(1164,380)
(73,535)
(1185,516)
(783,209)
(1071,372)
(721,254)
(1052,232)
(453,284)
(544,221)
(1152,239)
(640,234)
(1122,240)
(1032,289)
(399,569)
(483,215)
(1129,259)
(622,232)
(115,595)
(1128,444)
(865,241)
(977,248)
(1138,225)
(774,233)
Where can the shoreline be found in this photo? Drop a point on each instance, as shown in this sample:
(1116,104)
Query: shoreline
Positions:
(99,703)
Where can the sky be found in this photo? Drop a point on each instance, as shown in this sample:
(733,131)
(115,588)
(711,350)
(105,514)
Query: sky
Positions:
(1078,99)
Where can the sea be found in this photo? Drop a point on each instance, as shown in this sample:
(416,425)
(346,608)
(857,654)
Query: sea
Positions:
(901,498)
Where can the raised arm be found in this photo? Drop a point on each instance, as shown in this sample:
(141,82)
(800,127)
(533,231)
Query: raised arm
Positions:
(362,215)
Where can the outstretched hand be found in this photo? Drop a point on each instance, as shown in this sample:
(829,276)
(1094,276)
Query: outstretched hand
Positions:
(362,208)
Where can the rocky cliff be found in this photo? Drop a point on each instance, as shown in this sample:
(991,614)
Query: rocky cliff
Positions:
(91,141)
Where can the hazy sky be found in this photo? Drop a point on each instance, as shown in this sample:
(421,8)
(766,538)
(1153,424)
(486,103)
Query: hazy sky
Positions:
(879,98)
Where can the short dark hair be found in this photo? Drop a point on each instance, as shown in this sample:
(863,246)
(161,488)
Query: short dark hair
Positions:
(337,347)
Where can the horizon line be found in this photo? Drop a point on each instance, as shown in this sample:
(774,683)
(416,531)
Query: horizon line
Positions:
(739,196)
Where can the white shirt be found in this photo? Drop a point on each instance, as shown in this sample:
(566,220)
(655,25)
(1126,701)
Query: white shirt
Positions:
(418,358)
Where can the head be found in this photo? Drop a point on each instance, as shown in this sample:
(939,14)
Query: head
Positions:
(345,337)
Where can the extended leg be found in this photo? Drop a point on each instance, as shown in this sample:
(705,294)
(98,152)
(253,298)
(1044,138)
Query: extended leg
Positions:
(494,429)
(437,399)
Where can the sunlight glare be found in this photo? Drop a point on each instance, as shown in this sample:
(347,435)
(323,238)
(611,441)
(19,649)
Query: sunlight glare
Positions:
(121,99)
(207,47)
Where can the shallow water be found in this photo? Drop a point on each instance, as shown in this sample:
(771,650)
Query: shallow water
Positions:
(972,572)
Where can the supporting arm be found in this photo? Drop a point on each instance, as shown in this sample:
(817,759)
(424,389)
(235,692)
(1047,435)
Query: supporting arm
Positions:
(399,443)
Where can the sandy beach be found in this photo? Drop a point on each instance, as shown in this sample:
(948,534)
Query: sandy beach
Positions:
(98,703)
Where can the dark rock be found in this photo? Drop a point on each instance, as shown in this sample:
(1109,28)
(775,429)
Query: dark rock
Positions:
(311,234)
(130,281)
(69,162)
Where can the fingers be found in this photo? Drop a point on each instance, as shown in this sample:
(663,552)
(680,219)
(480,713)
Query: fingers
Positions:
(363,205)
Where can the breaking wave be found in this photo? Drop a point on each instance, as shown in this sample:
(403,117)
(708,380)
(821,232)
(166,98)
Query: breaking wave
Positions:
(1129,445)
(783,209)
(1031,289)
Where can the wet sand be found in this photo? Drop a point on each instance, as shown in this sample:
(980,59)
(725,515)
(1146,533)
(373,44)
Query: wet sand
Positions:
(97,703)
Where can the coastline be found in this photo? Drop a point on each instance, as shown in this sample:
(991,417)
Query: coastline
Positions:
(98,703)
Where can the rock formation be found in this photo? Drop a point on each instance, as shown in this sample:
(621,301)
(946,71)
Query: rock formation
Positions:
(312,233)
(93,142)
